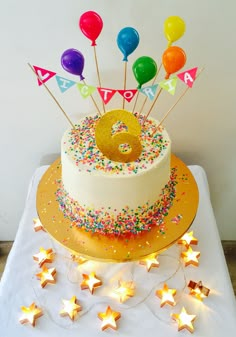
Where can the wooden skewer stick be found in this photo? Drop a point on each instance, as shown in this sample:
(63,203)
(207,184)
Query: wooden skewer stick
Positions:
(136,99)
(125,79)
(98,75)
(172,107)
(54,98)
(153,82)
(154,102)
(94,102)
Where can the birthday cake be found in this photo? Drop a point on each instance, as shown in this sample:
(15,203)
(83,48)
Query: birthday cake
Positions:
(114,197)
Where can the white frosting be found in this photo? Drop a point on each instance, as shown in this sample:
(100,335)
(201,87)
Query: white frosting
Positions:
(94,181)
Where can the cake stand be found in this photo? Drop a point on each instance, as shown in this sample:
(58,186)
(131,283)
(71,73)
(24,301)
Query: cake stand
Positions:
(113,248)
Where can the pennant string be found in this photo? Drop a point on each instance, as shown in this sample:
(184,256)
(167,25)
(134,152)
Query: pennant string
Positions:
(125,76)
(153,82)
(54,98)
(172,107)
(154,102)
(98,75)
(94,102)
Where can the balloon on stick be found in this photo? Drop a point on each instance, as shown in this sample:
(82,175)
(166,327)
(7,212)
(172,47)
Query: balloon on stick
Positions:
(91,25)
(174,29)
(72,60)
(144,70)
(173,59)
(127,41)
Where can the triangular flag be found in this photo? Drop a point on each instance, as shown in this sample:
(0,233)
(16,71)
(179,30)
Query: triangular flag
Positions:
(169,85)
(149,91)
(188,76)
(128,95)
(44,74)
(106,94)
(85,90)
(63,83)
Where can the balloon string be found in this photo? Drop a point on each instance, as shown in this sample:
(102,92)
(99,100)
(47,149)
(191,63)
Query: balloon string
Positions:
(154,102)
(95,104)
(172,107)
(153,82)
(98,74)
(125,77)
(54,98)
(136,99)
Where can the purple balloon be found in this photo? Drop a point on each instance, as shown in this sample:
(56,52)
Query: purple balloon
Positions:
(72,61)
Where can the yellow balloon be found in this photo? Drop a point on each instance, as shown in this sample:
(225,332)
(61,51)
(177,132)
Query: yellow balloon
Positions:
(174,28)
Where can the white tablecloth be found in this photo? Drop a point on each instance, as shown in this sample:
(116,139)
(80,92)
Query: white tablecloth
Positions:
(141,315)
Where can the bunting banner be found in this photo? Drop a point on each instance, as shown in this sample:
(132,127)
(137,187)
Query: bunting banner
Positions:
(85,90)
(106,94)
(150,91)
(43,74)
(128,95)
(188,76)
(63,83)
(169,85)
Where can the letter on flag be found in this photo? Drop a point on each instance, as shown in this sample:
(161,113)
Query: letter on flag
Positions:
(149,91)
(43,74)
(85,90)
(188,76)
(106,94)
(169,85)
(63,83)
(128,95)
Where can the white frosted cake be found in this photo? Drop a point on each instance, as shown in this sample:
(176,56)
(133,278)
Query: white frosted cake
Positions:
(109,197)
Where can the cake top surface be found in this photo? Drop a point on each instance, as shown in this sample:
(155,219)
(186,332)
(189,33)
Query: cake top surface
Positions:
(80,146)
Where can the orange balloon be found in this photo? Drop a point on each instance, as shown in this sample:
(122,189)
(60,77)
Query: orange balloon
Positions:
(173,59)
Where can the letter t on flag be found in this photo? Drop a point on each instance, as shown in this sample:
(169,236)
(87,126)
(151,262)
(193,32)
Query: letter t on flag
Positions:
(106,94)
(43,74)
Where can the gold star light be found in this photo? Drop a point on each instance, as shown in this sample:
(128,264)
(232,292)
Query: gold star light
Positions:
(71,308)
(44,256)
(198,290)
(188,239)
(90,282)
(184,320)
(125,290)
(47,276)
(30,314)
(190,257)
(38,225)
(166,295)
(109,318)
(150,262)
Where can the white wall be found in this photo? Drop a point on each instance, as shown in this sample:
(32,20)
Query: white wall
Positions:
(202,126)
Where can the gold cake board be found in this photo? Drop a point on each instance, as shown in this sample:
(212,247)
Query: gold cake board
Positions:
(118,249)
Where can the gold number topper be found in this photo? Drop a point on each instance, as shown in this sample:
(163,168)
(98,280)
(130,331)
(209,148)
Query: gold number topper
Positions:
(123,146)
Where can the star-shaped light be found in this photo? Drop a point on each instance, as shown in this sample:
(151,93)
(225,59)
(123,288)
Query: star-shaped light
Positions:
(125,290)
(44,256)
(30,314)
(109,318)
(71,308)
(78,259)
(90,282)
(38,225)
(166,295)
(184,320)
(150,262)
(187,239)
(198,290)
(190,257)
(47,276)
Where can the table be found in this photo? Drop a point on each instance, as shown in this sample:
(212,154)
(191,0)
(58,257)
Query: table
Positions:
(140,315)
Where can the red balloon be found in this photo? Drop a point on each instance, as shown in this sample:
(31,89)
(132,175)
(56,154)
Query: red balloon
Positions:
(173,60)
(91,25)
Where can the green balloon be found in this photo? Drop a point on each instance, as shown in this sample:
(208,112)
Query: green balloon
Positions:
(144,69)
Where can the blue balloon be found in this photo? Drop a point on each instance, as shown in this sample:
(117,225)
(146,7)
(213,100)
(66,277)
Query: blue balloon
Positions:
(127,41)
